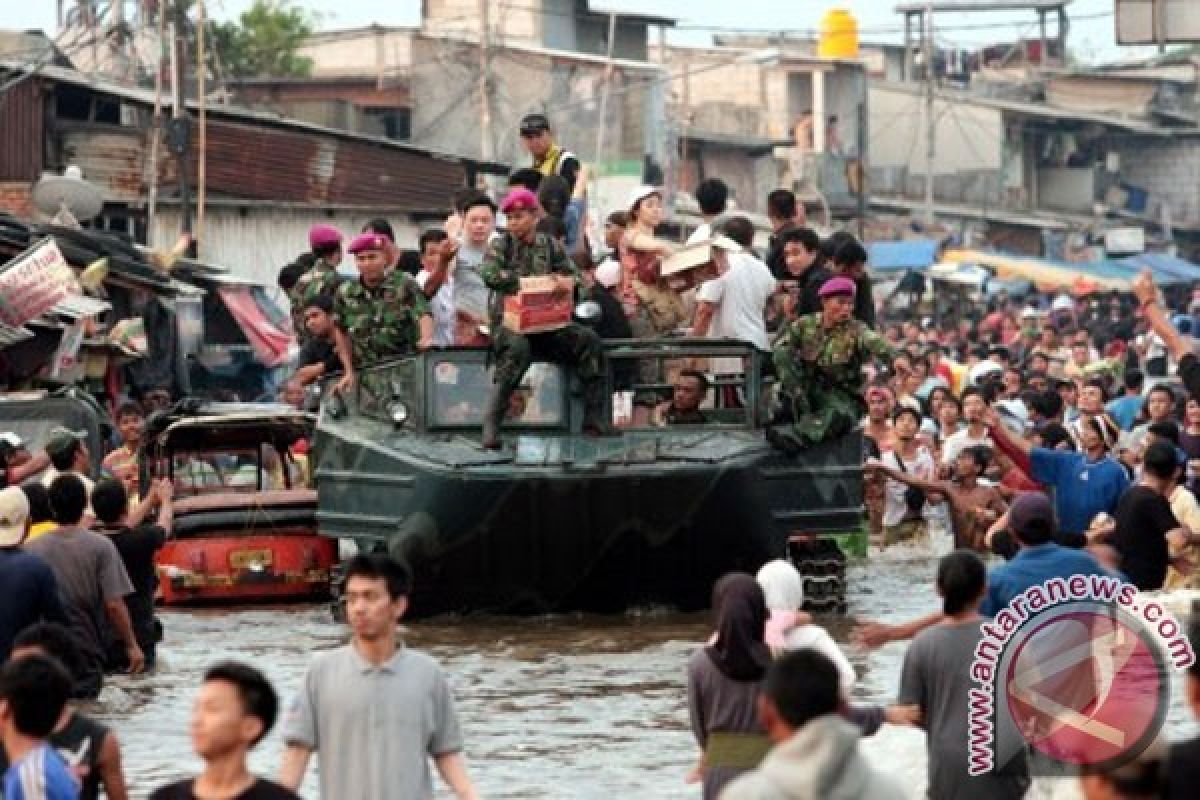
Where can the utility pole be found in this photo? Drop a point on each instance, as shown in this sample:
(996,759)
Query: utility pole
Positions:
(602,123)
(179,131)
(930,124)
(201,90)
(485,104)
(156,131)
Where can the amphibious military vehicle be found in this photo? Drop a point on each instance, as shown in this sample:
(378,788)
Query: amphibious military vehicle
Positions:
(560,521)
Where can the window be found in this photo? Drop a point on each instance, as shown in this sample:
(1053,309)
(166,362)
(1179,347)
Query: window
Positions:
(393,123)
(460,390)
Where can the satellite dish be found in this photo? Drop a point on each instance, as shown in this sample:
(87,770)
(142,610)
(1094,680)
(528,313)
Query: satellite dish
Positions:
(68,198)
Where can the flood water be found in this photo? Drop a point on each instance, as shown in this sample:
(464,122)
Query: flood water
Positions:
(555,707)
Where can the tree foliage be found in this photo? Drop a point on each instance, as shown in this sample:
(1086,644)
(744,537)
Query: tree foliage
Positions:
(264,41)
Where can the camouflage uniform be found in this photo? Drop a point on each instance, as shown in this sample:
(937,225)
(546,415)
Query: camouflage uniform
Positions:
(821,379)
(507,261)
(321,279)
(383,322)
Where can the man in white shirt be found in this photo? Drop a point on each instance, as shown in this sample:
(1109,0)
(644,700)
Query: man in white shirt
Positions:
(903,519)
(733,306)
(975,433)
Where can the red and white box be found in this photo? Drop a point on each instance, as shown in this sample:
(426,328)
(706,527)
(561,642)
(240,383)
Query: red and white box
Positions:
(540,305)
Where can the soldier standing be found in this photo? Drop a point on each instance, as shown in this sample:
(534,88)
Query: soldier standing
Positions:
(820,359)
(523,252)
(321,279)
(381,315)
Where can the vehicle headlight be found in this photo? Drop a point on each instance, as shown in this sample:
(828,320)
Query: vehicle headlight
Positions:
(398,411)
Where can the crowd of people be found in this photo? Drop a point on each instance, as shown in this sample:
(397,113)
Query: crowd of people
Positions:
(451,291)
(1056,435)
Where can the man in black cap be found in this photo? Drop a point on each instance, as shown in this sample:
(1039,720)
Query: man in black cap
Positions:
(548,157)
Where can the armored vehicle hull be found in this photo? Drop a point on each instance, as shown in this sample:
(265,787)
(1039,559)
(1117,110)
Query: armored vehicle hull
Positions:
(558,521)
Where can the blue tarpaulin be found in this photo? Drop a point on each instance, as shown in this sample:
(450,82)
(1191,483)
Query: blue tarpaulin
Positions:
(1165,273)
(1165,264)
(902,255)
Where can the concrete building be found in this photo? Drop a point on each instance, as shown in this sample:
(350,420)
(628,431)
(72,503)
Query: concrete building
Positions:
(1091,150)
(796,119)
(565,25)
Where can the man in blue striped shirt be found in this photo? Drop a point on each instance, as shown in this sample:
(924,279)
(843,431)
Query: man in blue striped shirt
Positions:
(33,691)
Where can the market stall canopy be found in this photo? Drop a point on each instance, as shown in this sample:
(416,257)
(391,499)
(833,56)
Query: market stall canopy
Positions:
(1080,277)
(977,277)
(1047,276)
(902,255)
(1164,263)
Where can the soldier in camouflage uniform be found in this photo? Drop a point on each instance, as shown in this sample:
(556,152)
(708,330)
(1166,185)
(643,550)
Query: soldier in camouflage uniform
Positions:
(381,315)
(519,253)
(820,359)
(321,279)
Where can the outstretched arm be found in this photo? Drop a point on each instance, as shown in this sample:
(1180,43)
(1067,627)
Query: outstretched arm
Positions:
(1018,446)
(875,634)
(1147,295)
(908,479)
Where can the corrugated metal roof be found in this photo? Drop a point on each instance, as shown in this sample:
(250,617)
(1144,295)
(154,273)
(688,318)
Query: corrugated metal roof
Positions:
(271,163)
(21,134)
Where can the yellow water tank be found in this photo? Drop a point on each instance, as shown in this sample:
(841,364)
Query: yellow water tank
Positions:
(839,35)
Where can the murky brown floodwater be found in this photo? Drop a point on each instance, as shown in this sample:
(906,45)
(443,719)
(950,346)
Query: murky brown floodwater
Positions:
(562,707)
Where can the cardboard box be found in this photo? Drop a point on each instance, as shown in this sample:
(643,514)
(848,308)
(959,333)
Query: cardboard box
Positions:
(689,267)
(538,306)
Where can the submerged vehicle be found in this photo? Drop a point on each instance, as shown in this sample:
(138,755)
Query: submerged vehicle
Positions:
(560,521)
(245,512)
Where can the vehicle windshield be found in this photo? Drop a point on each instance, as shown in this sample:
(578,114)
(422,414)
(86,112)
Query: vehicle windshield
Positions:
(459,390)
(675,384)
(240,470)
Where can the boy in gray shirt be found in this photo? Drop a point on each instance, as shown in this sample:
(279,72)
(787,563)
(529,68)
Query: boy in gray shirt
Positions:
(375,711)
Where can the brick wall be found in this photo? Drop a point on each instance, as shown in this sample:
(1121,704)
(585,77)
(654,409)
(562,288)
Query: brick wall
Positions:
(15,199)
(1169,169)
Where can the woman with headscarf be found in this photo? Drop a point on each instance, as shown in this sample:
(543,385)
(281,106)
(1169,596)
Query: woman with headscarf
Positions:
(724,679)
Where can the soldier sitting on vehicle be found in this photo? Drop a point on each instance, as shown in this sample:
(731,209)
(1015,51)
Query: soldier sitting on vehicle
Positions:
(819,359)
(381,315)
(523,252)
(691,387)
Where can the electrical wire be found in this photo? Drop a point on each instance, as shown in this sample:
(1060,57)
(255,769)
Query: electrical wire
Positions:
(773,32)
